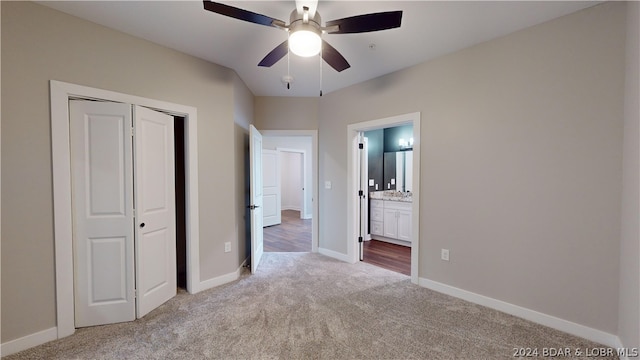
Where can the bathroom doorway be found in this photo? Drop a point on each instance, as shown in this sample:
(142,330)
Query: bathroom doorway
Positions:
(387,203)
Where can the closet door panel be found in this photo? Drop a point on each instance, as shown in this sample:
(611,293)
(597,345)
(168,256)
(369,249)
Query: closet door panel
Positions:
(156,276)
(102,197)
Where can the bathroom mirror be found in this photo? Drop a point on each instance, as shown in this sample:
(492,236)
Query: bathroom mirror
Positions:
(398,171)
(404,171)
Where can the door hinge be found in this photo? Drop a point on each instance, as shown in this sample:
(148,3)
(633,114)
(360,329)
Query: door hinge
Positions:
(360,193)
(360,146)
(360,239)
(132,131)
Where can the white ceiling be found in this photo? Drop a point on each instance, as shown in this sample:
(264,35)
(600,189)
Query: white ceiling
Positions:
(429,29)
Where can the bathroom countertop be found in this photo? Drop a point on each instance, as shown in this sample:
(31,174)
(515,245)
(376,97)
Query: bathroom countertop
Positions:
(391,195)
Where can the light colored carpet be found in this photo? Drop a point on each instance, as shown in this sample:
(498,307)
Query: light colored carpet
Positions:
(308,306)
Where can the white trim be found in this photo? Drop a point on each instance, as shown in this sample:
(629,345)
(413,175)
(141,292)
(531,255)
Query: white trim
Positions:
(223,279)
(60,94)
(352,212)
(29,341)
(619,346)
(572,328)
(314,175)
(336,255)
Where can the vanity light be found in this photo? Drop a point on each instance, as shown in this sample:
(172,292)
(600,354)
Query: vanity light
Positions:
(404,144)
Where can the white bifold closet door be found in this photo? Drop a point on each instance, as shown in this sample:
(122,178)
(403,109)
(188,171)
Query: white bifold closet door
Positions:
(124,259)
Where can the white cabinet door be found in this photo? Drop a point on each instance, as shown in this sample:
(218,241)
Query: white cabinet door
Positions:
(397,220)
(404,225)
(156,275)
(376,228)
(102,178)
(390,226)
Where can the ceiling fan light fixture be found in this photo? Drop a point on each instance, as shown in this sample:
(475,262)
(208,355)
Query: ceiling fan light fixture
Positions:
(305,42)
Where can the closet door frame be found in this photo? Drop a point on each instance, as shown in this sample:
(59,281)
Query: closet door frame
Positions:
(60,94)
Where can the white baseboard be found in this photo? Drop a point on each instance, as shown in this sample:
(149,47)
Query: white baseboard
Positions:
(582,331)
(44,336)
(222,279)
(619,345)
(29,341)
(334,254)
(292,207)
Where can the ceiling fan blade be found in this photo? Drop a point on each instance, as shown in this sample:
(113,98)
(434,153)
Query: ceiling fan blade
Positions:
(366,22)
(241,14)
(275,55)
(333,57)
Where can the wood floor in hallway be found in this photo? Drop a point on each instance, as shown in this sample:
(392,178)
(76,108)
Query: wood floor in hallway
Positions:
(294,235)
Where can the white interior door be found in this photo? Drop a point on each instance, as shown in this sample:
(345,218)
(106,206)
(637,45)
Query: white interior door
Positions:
(155,209)
(255,179)
(103,242)
(271,188)
(363,173)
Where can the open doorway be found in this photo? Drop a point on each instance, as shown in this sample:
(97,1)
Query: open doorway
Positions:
(389,212)
(180,198)
(388,172)
(289,188)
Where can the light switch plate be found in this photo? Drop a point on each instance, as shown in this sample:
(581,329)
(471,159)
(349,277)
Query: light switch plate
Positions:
(327,184)
(371,182)
(393,181)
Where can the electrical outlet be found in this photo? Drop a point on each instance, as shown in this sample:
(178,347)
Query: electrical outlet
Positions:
(227,247)
(444,254)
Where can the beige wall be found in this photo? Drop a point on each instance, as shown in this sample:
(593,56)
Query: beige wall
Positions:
(629,312)
(40,44)
(286,113)
(521,161)
(243,116)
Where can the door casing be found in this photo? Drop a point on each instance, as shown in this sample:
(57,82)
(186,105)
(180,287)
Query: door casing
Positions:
(60,93)
(352,185)
(313,135)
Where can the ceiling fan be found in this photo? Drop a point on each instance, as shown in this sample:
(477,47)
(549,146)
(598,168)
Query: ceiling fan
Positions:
(305,30)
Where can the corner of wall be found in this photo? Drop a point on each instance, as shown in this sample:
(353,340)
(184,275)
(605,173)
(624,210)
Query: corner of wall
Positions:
(629,278)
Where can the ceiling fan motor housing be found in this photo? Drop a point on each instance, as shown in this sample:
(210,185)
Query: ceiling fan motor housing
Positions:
(305,33)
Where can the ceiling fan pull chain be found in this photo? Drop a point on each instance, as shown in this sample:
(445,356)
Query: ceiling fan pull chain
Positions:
(320,56)
(288,56)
